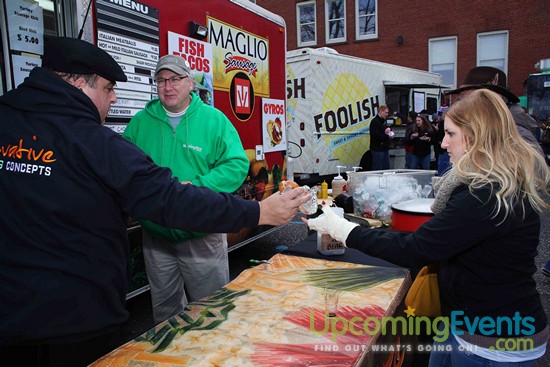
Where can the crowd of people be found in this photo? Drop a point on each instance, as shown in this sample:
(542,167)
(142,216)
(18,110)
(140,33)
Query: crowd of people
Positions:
(424,132)
(64,253)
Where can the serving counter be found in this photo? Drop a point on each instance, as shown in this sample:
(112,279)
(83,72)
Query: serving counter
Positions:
(274,315)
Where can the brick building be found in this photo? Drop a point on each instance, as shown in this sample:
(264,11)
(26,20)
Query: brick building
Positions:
(447,37)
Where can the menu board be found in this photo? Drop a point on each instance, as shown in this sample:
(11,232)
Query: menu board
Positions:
(26,26)
(130,34)
(419,101)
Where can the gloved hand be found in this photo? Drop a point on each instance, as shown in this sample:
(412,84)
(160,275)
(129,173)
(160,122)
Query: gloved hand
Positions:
(331,224)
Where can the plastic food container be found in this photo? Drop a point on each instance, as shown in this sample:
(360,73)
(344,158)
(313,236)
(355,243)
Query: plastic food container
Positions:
(408,215)
(374,192)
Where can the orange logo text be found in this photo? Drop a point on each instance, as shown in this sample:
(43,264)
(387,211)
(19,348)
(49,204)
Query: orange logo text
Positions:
(19,152)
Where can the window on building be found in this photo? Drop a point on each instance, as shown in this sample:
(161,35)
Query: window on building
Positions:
(365,19)
(492,50)
(305,14)
(335,23)
(442,58)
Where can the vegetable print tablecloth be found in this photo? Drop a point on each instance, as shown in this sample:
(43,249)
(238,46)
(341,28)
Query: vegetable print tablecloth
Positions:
(274,315)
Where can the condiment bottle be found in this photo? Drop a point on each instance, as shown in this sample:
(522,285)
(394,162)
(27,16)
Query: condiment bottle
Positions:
(324,190)
(338,183)
(327,245)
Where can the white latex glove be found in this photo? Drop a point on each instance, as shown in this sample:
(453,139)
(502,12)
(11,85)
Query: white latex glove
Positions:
(331,224)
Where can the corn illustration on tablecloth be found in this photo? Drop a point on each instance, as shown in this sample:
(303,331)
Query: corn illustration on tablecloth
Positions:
(274,315)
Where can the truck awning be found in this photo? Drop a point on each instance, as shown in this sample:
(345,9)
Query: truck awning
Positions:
(415,85)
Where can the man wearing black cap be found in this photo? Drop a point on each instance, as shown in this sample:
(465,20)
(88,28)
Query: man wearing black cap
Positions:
(67,187)
(495,79)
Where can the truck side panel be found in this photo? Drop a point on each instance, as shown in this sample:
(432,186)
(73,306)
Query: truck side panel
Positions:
(329,115)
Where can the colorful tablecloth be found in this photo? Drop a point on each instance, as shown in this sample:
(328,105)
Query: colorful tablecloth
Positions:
(274,315)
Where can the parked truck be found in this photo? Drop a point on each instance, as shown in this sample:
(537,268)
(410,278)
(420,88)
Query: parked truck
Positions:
(538,91)
(331,99)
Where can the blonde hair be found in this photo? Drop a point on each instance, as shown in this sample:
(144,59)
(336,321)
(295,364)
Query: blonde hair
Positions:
(496,154)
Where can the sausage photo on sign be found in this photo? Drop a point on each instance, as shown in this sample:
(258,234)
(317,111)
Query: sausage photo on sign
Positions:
(275,131)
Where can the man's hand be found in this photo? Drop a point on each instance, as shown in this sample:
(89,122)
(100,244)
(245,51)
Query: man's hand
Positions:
(280,209)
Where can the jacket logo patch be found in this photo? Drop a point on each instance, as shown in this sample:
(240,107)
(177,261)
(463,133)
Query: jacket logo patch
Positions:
(19,152)
(194,147)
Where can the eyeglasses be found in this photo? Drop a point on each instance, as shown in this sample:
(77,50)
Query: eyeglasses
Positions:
(174,81)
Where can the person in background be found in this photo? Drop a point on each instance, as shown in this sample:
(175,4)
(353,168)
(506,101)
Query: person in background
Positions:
(201,147)
(67,187)
(483,237)
(203,93)
(494,79)
(409,146)
(380,136)
(433,121)
(421,137)
(443,163)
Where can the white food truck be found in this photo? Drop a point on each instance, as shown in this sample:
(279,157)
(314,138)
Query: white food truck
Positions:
(331,100)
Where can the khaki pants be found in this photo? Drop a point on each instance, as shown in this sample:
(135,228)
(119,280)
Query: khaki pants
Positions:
(182,272)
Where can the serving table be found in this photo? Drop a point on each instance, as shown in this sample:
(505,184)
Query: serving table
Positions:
(274,315)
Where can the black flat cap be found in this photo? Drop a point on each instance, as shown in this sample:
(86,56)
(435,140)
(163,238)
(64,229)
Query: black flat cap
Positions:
(74,56)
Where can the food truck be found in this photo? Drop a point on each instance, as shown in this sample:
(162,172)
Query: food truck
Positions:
(538,91)
(331,99)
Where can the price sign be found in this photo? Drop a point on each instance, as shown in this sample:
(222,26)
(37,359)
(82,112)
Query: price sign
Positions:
(27,39)
(26,26)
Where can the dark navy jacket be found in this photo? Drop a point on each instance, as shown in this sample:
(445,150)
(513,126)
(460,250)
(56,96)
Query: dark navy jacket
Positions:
(67,187)
(485,269)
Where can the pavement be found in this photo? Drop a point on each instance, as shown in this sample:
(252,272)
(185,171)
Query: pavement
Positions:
(295,232)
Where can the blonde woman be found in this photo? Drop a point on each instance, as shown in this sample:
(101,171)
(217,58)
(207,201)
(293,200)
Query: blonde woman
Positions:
(484,236)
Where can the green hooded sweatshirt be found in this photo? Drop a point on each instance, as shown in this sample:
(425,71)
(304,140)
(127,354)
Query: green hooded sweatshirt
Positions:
(205,149)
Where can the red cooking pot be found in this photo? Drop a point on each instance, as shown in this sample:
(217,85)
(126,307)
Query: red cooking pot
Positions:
(408,215)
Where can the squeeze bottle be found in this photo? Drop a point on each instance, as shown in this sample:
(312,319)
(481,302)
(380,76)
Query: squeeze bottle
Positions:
(324,190)
(338,183)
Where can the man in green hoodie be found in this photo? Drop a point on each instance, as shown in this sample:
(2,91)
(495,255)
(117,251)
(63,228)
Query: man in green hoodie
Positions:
(201,147)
